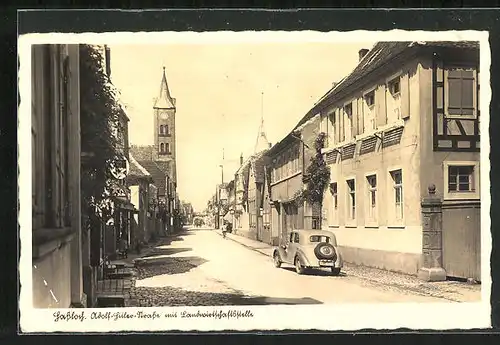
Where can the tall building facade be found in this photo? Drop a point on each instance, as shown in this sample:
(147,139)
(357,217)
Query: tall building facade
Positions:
(159,159)
(164,123)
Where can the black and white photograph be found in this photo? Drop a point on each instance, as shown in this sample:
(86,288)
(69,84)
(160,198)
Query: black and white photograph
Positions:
(254,180)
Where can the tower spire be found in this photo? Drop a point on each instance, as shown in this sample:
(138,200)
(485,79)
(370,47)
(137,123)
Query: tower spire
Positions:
(261,143)
(165,100)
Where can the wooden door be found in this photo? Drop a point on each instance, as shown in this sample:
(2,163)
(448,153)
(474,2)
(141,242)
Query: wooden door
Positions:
(462,240)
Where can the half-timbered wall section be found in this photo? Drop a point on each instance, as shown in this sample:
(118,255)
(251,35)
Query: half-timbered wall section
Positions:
(455,102)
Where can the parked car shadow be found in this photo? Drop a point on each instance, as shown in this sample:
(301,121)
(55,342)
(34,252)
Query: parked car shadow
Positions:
(165,251)
(316,272)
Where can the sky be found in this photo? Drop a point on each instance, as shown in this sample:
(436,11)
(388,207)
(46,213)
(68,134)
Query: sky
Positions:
(221,92)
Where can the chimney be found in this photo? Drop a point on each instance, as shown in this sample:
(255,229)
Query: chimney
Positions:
(108,61)
(270,145)
(334,84)
(362,53)
(241,159)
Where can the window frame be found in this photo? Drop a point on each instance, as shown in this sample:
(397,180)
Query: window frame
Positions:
(462,195)
(351,209)
(334,209)
(371,219)
(368,95)
(394,220)
(446,71)
(390,84)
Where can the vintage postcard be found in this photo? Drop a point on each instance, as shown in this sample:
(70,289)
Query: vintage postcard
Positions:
(254,181)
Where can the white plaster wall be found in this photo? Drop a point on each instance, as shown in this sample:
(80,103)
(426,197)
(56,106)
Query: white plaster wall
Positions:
(407,240)
(134,199)
(52,275)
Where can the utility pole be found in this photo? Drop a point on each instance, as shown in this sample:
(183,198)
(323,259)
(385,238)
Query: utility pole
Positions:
(222,166)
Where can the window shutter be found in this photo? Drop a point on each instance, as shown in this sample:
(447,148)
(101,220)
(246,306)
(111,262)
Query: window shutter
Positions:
(354,107)
(454,94)
(361,121)
(381,113)
(467,92)
(460,92)
(405,96)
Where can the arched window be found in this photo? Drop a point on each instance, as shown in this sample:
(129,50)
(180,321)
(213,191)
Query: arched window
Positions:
(168,148)
(165,129)
(162,147)
(162,129)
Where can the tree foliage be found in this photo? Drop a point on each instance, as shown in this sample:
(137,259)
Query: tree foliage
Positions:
(317,176)
(99,116)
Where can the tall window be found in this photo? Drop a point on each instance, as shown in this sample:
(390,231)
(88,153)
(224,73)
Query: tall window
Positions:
(50,131)
(162,129)
(394,100)
(369,112)
(461,92)
(165,129)
(461,178)
(332,129)
(398,204)
(348,123)
(351,198)
(335,202)
(162,147)
(372,197)
(167,148)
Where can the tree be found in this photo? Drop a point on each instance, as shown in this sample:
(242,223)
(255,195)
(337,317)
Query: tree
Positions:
(317,177)
(100,116)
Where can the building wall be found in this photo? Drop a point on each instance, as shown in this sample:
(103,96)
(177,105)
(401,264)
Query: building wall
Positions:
(253,209)
(58,256)
(461,238)
(52,275)
(382,240)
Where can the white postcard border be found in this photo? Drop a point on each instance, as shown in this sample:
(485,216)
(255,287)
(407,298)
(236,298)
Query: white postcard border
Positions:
(437,316)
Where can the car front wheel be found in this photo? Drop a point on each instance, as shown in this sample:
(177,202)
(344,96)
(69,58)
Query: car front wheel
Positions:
(277,261)
(335,271)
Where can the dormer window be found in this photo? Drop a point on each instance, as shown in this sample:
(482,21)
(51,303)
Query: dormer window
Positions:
(395,86)
(370,98)
(348,109)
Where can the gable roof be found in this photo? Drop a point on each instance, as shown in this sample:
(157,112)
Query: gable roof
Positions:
(380,55)
(137,171)
(158,175)
(142,152)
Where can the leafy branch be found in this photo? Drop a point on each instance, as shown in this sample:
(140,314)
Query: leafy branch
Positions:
(100,114)
(317,176)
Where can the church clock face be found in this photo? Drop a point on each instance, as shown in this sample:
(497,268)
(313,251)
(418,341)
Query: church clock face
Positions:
(163,114)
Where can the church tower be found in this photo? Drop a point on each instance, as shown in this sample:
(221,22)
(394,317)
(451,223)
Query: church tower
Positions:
(164,128)
(261,144)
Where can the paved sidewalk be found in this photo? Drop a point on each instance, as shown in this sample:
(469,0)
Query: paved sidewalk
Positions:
(257,246)
(386,280)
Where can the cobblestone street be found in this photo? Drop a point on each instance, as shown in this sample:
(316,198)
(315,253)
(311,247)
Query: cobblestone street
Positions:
(200,268)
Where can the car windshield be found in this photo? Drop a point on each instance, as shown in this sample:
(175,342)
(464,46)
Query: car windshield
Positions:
(319,238)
